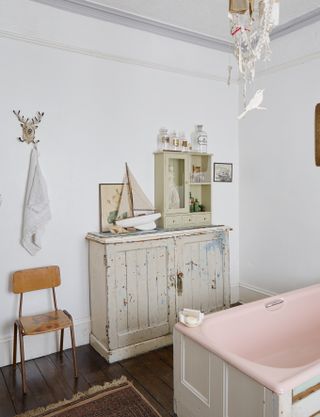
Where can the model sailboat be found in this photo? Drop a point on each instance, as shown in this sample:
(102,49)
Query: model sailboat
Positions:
(135,209)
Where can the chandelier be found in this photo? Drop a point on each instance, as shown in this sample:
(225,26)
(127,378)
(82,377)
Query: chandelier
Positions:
(251,23)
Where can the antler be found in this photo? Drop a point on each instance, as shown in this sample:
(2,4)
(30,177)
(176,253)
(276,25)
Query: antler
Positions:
(21,119)
(37,119)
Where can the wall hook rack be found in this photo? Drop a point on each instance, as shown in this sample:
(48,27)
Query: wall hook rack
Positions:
(29,126)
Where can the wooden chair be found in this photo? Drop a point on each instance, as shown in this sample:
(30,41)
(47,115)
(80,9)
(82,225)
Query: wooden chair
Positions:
(33,280)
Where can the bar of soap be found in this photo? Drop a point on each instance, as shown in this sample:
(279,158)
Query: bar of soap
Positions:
(191,320)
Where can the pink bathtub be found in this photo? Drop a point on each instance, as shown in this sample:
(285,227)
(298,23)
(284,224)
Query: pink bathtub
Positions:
(275,341)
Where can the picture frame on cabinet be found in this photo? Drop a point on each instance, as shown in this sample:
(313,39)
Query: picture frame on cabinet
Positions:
(222,172)
(109,199)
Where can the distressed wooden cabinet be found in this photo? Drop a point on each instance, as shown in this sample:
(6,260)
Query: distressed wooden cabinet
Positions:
(139,282)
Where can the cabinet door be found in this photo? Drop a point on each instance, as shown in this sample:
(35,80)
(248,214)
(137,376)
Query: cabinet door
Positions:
(176,192)
(203,275)
(141,291)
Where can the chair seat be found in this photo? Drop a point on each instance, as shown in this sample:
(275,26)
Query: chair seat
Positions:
(47,322)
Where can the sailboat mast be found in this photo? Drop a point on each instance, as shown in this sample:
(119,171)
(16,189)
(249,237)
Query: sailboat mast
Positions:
(129,189)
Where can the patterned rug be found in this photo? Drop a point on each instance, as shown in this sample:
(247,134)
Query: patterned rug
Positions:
(116,399)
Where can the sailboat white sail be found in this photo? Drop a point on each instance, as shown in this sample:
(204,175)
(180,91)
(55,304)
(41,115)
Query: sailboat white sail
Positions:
(135,209)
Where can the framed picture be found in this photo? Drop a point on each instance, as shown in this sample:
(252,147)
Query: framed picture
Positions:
(109,197)
(222,172)
(317,134)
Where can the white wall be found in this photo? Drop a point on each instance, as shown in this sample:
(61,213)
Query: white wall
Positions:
(280,184)
(105,90)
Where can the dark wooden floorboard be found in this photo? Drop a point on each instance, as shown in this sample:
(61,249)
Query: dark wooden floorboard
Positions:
(159,390)
(14,386)
(90,368)
(37,385)
(65,370)
(56,381)
(6,404)
(50,379)
(166,354)
(160,369)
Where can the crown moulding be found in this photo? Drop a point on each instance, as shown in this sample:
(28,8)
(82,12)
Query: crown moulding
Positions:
(113,15)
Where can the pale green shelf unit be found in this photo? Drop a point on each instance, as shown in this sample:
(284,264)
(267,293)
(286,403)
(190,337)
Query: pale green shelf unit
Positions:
(177,174)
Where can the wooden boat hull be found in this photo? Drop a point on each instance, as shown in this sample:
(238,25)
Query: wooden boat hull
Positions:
(144,222)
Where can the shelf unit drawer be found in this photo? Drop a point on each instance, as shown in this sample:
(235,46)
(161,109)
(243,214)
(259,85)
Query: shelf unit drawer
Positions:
(173,221)
(203,218)
(188,220)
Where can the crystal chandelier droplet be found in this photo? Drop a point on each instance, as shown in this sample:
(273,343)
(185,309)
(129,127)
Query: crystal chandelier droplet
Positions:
(251,23)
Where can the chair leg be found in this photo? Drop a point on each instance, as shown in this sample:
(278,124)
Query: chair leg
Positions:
(15,345)
(74,357)
(23,369)
(61,341)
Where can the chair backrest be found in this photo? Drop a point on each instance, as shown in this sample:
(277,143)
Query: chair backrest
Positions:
(35,279)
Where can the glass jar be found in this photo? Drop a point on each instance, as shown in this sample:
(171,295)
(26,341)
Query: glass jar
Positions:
(173,140)
(185,146)
(176,144)
(181,137)
(199,139)
(163,139)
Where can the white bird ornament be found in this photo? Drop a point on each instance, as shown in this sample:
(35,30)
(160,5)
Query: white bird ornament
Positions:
(254,103)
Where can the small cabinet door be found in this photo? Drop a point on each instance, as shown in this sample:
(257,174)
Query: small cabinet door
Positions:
(141,293)
(176,193)
(202,272)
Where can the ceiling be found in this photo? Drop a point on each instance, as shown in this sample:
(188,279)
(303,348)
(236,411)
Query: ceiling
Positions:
(208,17)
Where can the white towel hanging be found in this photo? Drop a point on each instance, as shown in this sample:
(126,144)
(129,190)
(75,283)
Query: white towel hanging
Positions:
(36,207)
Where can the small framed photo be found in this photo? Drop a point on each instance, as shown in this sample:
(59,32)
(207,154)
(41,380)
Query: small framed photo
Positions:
(109,199)
(222,172)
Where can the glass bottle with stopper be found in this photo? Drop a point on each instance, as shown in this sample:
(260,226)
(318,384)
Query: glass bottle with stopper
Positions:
(200,139)
(191,203)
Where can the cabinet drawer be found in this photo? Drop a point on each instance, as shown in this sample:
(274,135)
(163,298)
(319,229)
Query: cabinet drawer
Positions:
(188,220)
(203,218)
(173,221)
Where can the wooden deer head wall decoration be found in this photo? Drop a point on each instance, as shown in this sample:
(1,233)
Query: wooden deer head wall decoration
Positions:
(29,127)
